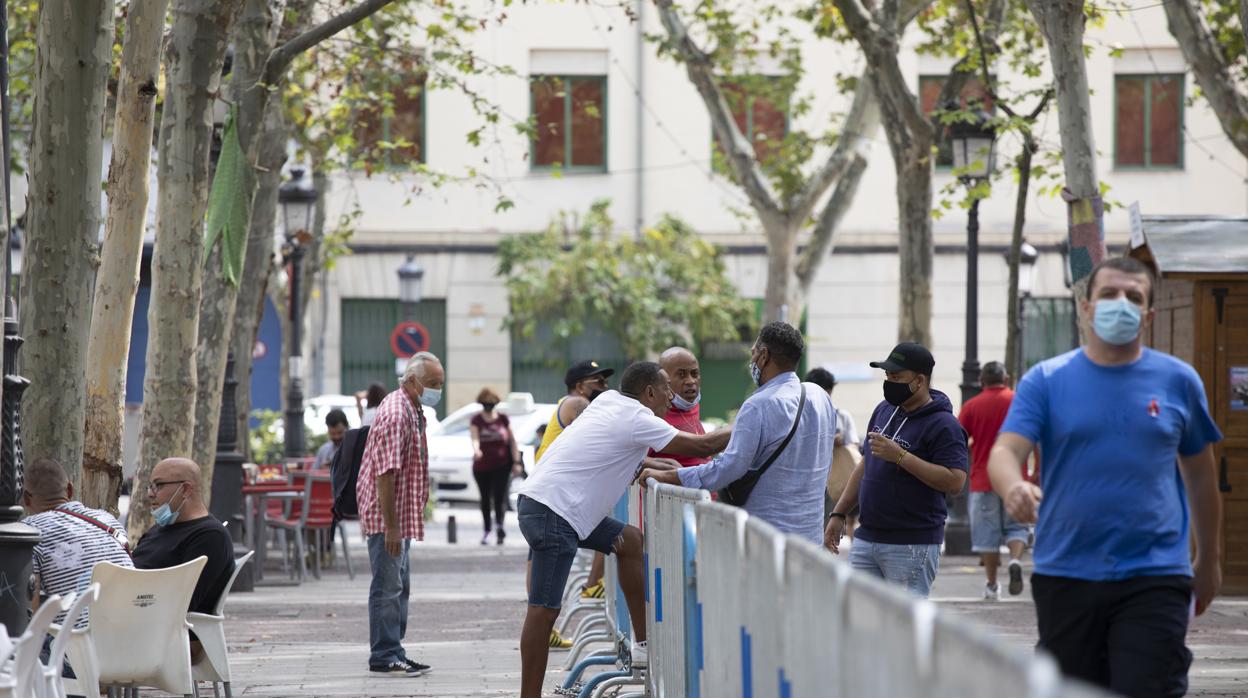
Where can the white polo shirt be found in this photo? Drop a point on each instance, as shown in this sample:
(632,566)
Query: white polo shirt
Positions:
(583,472)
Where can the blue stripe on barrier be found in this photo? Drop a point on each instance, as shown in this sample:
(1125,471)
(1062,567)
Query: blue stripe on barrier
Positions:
(786,687)
(747,671)
(645,578)
(698,638)
(658,594)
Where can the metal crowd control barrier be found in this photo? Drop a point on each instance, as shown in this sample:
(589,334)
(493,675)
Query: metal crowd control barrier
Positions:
(671,608)
(737,610)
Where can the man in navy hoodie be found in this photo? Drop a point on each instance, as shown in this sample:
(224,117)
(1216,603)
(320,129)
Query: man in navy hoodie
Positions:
(916,455)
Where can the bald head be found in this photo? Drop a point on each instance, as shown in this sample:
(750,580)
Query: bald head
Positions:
(683,372)
(177,469)
(176,482)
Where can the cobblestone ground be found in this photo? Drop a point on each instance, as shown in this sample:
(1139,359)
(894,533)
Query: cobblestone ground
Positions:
(467,607)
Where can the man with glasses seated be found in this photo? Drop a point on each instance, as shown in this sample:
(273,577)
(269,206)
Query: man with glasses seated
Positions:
(183,531)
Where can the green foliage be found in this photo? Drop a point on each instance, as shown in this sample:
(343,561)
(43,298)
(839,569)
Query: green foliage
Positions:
(267,440)
(228,203)
(266,445)
(667,287)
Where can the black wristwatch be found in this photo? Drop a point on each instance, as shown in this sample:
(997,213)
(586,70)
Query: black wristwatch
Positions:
(837,515)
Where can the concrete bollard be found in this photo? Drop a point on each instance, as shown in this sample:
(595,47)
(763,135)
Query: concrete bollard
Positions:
(451,536)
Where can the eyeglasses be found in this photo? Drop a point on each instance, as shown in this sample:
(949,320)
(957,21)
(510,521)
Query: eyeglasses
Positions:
(153,487)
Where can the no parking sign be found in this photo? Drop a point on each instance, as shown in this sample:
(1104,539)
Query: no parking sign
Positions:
(408,339)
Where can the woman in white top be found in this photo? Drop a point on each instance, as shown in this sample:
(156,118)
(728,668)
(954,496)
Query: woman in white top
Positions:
(366,401)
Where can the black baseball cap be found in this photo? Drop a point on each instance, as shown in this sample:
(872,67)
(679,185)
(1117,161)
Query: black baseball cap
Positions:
(585,369)
(908,356)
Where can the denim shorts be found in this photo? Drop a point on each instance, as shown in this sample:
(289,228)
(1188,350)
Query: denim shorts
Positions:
(990,525)
(912,566)
(553,544)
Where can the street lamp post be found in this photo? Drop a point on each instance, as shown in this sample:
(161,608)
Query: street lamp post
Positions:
(973,143)
(298,201)
(411,280)
(17,540)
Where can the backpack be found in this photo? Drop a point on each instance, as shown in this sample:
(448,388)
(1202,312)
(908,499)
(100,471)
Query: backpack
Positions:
(344,470)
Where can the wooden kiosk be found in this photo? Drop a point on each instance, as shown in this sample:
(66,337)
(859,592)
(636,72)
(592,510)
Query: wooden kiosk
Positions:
(1202,317)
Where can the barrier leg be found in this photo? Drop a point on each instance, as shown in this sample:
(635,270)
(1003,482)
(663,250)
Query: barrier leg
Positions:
(588,623)
(580,668)
(564,624)
(575,653)
(617,682)
(574,585)
(592,684)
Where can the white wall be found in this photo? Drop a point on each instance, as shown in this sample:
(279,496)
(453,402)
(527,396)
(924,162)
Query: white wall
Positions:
(853,306)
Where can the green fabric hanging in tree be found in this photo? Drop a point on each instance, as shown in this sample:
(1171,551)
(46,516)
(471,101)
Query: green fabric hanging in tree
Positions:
(228,203)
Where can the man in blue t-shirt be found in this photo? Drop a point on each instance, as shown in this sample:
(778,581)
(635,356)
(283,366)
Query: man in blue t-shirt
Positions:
(1126,438)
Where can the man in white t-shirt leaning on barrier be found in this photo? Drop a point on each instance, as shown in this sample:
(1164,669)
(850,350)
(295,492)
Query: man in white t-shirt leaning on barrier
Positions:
(565,504)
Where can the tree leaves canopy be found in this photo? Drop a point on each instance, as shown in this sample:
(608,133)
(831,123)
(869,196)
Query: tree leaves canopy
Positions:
(667,287)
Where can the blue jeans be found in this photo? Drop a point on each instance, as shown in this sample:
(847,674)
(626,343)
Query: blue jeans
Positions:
(387,601)
(911,566)
(552,547)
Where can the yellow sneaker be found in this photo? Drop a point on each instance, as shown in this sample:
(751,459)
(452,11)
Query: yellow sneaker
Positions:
(597,591)
(557,641)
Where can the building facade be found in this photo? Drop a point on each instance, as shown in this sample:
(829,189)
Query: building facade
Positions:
(629,126)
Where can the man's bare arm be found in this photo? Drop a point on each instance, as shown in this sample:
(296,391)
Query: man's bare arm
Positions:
(1005,462)
(571,408)
(1200,477)
(389,512)
(699,445)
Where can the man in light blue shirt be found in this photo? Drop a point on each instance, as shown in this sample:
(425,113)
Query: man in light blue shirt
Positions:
(789,495)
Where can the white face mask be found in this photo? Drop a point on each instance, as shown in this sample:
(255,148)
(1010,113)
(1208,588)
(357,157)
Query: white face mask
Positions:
(685,405)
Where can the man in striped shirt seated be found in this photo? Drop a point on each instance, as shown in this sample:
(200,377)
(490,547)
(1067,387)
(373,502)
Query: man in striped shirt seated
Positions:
(72,536)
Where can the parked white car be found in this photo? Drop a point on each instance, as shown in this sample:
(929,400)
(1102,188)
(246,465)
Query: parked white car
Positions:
(450,446)
(316,409)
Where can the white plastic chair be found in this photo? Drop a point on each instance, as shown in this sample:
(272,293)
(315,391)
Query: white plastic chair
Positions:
(8,682)
(214,665)
(137,633)
(53,684)
(27,669)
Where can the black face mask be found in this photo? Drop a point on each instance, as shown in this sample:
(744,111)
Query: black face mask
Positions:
(593,394)
(897,393)
(489,406)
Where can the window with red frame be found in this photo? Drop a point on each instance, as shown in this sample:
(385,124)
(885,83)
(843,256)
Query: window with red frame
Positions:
(570,122)
(391,128)
(763,122)
(1148,121)
(972,94)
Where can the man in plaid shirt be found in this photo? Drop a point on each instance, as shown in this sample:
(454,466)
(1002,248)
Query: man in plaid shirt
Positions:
(392,490)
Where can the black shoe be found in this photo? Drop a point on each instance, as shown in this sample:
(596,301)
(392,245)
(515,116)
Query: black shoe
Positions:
(500,536)
(1016,577)
(397,669)
(416,668)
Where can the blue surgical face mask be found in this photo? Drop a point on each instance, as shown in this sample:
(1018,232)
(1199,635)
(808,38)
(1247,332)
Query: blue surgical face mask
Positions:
(685,405)
(431,397)
(1116,321)
(164,516)
(756,373)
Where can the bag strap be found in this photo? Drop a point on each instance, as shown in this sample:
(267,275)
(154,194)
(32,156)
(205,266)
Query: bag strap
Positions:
(113,533)
(801,405)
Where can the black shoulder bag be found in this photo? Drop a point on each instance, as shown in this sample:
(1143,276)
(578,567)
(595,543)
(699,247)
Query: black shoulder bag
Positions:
(739,491)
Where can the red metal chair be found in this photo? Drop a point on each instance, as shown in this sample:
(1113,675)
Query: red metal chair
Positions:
(321,521)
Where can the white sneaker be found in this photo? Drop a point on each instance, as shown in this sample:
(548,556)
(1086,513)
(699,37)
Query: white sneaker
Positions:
(639,656)
(992,592)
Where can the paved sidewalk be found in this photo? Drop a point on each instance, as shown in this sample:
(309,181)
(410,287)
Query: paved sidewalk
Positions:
(467,606)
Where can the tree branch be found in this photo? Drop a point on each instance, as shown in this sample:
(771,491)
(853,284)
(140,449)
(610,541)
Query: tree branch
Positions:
(738,148)
(1207,63)
(282,56)
(860,124)
(829,220)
